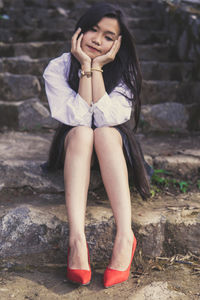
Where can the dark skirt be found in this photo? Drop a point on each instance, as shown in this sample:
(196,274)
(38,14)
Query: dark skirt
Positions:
(132,152)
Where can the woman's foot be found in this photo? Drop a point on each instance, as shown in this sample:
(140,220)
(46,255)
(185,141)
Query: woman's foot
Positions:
(78,254)
(122,251)
(119,269)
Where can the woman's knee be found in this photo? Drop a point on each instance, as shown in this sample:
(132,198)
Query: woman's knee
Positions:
(79,137)
(107,137)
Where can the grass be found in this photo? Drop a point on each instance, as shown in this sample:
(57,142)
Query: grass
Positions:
(162,179)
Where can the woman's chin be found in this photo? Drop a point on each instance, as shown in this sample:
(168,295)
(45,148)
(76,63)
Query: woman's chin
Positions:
(93,56)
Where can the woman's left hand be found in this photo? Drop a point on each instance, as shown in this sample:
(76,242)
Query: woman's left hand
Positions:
(102,60)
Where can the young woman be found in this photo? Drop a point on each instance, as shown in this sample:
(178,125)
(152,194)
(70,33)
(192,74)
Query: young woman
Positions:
(94,92)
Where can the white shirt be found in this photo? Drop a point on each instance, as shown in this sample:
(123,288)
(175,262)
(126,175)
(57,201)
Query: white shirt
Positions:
(70,108)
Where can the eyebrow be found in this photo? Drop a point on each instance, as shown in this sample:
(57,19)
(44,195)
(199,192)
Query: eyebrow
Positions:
(107,32)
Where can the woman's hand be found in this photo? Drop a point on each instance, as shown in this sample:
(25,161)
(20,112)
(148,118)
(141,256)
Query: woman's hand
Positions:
(76,50)
(100,61)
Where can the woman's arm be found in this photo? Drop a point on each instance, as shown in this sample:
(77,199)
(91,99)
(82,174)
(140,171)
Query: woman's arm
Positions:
(85,83)
(65,104)
(113,109)
(98,86)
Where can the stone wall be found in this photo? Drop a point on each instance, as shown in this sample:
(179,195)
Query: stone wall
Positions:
(182,20)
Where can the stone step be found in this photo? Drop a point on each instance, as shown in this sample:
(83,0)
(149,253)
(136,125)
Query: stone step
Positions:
(154,70)
(143,36)
(38,223)
(67,20)
(160,91)
(170,117)
(22,154)
(172,71)
(151,70)
(23,65)
(29,114)
(34,49)
(30,34)
(137,11)
(144,23)
(18,87)
(51,4)
(154,52)
(43,30)
(158,52)
(170,224)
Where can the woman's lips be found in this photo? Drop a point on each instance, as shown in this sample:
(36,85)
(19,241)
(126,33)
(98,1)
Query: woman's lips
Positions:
(93,49)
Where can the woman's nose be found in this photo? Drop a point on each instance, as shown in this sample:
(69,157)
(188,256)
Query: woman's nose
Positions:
(97,39)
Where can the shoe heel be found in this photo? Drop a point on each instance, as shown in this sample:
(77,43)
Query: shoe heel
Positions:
(112,276)
(79,276)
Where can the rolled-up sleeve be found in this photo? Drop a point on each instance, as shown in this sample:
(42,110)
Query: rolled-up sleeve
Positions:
(113,109)
(65,104)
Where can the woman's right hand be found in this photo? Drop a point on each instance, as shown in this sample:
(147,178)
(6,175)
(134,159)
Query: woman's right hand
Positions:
(76,50)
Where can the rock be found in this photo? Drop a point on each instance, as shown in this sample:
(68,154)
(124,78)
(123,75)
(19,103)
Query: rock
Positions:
(18,87)
(143,36)
(23,65)
(146,52)
(40,49)
(181,165)
(29,230)
(150,227)
(183,45)
(143,23)
(34,49)
(159,91)
(194,113)
(33,115)
(165,117)
(167,71)
(183,232)
(158,290)
(25,115)
(42,225)
(22,155)
(24,146)
(19,174)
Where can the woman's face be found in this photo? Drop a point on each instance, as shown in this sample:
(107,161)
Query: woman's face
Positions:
(100,38)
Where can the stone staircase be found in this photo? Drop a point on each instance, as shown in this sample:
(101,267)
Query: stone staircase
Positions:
(33,217)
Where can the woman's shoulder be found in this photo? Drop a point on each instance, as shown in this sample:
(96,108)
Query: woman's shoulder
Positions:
(60,63)
(65,58)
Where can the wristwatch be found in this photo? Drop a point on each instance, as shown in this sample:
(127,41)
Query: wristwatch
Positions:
(82,73)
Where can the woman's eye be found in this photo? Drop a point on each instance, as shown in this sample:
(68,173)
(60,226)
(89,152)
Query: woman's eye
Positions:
(93,29)
(108,38)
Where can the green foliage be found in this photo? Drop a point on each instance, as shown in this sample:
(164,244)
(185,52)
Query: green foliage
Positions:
(198,184)
(163,178)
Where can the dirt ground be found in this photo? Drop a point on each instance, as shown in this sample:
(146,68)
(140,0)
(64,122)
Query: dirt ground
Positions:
(36,278)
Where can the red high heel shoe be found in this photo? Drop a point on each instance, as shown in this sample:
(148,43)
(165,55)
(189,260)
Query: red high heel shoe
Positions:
(79,276)
(112,276)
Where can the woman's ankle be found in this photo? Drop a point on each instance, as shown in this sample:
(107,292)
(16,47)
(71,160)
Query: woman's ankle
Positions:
(77,239)
(125,235)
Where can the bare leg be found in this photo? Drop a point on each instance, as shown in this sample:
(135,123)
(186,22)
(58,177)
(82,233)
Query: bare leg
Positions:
(79,148)
(108,146)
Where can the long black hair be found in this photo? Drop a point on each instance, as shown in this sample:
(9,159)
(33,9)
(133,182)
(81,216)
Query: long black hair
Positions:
(125,67)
